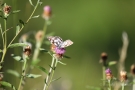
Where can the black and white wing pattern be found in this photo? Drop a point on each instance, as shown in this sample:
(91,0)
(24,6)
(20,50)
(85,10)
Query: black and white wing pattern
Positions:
(57,41)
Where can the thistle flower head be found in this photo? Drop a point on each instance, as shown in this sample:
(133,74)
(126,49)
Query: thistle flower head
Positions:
(123,76)
(132,69)
(39,35)
(47,12)
(108,74)
(6,10)
(103,58)
(27,49)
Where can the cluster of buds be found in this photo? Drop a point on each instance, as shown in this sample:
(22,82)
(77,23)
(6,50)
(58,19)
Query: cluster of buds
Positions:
(59,52)
(123,76)
(132,69)
(109,75)
(27,50)
(47,12)
(103,58)
(6,10)
(39,35)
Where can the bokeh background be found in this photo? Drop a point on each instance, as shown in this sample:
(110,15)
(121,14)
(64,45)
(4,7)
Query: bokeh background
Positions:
(95,26)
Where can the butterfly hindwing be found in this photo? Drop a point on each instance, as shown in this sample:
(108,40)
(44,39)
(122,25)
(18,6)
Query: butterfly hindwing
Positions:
(66,43)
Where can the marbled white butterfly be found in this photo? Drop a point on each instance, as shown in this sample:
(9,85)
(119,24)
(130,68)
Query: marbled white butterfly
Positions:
(57,41)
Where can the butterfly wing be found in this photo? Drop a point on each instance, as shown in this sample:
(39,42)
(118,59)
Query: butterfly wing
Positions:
(66,43)
(56,40)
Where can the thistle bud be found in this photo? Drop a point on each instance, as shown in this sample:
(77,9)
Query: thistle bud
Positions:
(39,35)
(123,76)
(108,74)
(104,57)
(47,12)
(27,50)
(132,70)
(6,10)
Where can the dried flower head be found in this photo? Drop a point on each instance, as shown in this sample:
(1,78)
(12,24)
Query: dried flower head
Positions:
(132,70)
(123,76)
(27,50)
(47,12)
(39,35)
(104,57)
(6,10)
(108,74)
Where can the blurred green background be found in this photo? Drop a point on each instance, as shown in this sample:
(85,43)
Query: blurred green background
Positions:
(95,26)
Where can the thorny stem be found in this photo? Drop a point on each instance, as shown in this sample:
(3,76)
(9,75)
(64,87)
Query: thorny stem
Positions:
(23,74)
(51,77)
(23,25)
(5,42)
(50,71)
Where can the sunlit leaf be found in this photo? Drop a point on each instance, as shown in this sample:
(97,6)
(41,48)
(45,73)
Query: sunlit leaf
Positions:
(32,75)
(35,62)
(7,84)
(16,11)
(1,51)
(35,16)
(66,56)
(112,63)
(43,50)
(17,45)
(17,29)
(56,79)
(43,69)
(13,72)
(17,58)
(61,63)
(31,3)
(22,22)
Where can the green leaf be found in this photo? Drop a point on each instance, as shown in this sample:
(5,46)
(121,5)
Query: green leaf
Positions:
(55,79)
(35,62)
(31,3)
(13,72)
(16,11)
(1,51)
(43,69)
(7,84)
(32,76)
(112,63)
(17,29)
(35,16)
(22,22)
(17,45)
(17,58)
(43,50)
(66,57)
(40,3)
(61,63)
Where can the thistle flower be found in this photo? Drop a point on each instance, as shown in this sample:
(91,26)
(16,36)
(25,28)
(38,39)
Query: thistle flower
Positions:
(47,12)
(27,50)
(108,74)
(6,10)
(123,76)
(39,35)
(132,69)
(104,57)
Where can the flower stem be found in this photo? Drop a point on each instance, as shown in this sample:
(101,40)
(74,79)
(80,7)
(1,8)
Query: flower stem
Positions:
(109,82)
(23,74)
(50,71)
(103,69)
(51,77)
(123,86)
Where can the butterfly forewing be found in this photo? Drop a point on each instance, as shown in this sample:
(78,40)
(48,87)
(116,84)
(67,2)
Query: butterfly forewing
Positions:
(66,43)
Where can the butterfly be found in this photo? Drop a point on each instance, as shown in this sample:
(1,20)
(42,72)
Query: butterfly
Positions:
(58,42)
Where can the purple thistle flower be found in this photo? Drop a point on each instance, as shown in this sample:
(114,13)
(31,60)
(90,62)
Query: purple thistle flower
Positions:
(108,71)
(60,51)
(47,8)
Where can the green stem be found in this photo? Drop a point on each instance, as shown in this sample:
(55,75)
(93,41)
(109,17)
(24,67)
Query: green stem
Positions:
(23,25)
(5,42)
(2,35)
(109,82)
(23,74)
(51,77)
(123,86)
(50,71)
(103,69)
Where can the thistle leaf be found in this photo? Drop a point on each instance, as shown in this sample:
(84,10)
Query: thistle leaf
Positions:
(43,50)
(17,45)
(7,84)
(61,63)
(17,58)
(43,69)
(31,3)
(22,22)
(55,79)
(13,72)
(112,63)
(35,16)
(32,75)
(66,57)
(16,11)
